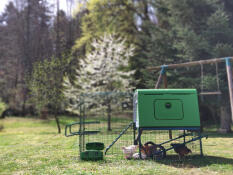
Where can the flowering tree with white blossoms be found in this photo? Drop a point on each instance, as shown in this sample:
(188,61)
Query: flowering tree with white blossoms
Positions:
(103,70)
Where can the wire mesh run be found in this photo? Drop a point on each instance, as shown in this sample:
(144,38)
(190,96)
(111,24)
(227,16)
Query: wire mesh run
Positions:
(109,122)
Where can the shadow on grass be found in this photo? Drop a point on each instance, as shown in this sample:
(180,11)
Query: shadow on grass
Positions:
(214,134)
(195,161)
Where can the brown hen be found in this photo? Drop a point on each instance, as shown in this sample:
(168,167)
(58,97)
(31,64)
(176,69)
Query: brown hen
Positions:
(181,149)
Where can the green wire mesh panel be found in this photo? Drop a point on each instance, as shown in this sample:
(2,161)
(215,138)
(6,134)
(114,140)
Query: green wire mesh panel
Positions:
(113,111)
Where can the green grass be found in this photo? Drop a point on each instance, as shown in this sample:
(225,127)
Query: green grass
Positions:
(32,146)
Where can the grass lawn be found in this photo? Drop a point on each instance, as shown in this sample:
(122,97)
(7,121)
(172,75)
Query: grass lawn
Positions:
(32,146)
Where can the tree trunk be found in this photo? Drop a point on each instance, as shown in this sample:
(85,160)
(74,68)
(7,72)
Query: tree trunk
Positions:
(3,115)
(1,127)
(44,114)
(58,54)
(225,120)
(109,110)
(58,123)
(27,47)
(24,103)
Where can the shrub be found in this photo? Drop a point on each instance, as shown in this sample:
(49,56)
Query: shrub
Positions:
(3,107)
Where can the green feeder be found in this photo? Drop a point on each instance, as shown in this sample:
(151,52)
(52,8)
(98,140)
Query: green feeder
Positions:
(91,155)
(95,146)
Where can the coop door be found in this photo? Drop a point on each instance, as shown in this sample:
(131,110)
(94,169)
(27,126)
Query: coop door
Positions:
(170,109)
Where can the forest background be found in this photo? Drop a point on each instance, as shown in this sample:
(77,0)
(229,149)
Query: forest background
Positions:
(40,44)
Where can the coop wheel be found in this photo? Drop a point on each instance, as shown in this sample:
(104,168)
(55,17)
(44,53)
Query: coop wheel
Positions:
(159,153)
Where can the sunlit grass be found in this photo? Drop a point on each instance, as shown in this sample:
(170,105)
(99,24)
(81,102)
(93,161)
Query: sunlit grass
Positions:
(32,146)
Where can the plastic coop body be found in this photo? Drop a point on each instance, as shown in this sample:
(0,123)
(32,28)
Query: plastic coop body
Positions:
(166,108)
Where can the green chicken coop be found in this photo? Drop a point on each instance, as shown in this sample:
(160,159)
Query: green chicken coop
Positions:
(166,108)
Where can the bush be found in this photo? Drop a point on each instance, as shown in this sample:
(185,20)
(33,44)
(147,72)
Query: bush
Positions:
(3,107)
(1,127)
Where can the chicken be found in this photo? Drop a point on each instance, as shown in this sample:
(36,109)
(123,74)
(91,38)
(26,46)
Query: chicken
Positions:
(149,149)
(137,156)
(181,149)
(129,151)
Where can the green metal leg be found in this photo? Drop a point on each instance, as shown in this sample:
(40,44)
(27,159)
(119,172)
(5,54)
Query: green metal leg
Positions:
(80,144)
(134,134)
(140,142)
(80,136)
(184,136)
(201,150)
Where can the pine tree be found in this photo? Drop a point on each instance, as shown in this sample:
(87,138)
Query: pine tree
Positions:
(188,30)
(11,68)
(104,16)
